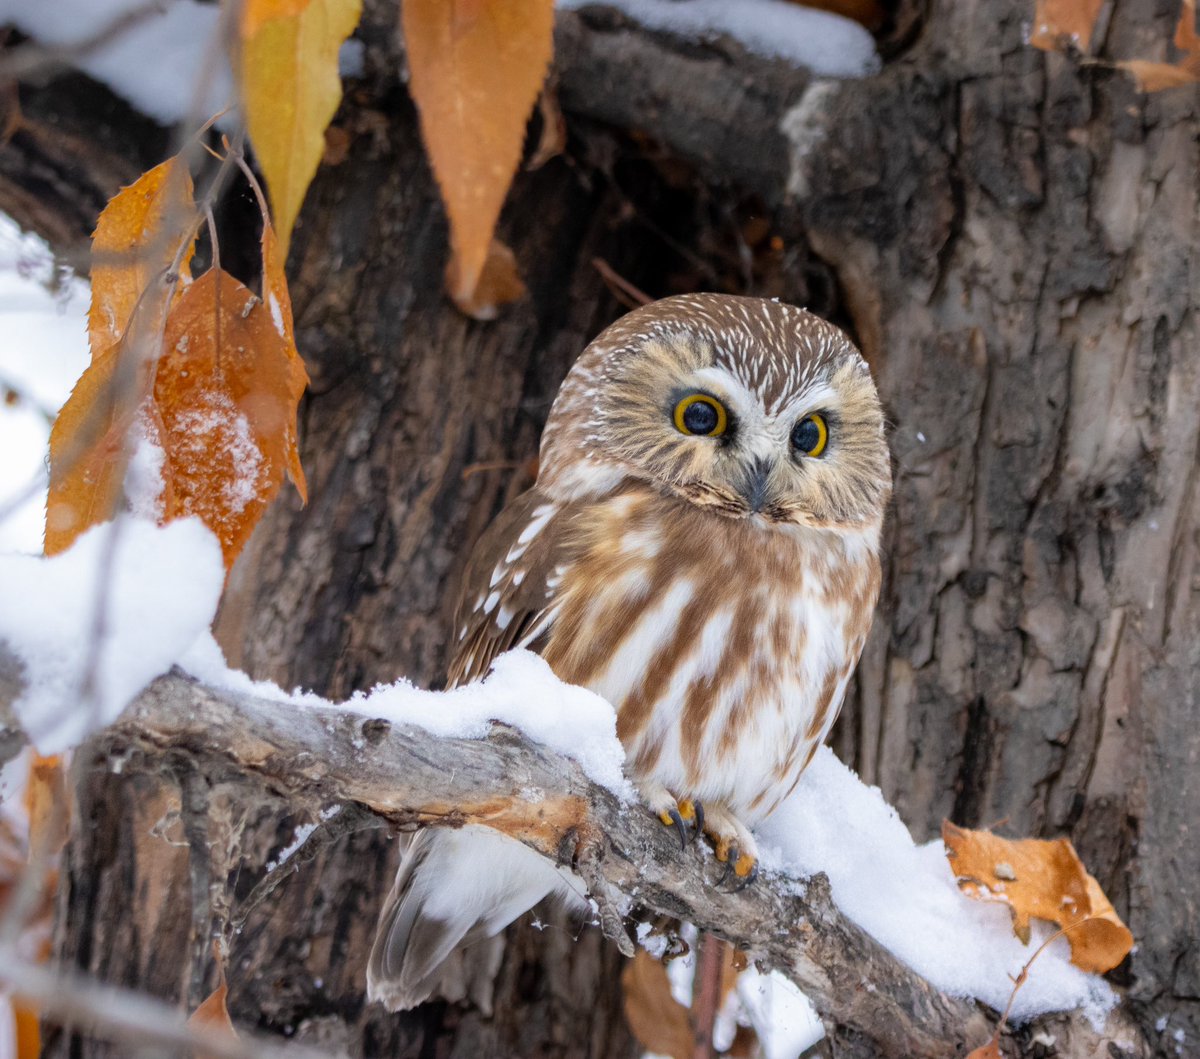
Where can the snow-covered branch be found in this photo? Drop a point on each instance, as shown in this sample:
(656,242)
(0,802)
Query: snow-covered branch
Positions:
(314,759)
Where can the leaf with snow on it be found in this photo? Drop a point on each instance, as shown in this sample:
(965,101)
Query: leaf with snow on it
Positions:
(1042,879)
(227,389)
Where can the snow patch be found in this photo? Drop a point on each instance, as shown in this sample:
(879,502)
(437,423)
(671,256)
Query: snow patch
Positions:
(94,625)
(906,897)
(520,691)
(43,350)
(783,1018)
(826,44)
(168,63)
(165,59)
(144,478)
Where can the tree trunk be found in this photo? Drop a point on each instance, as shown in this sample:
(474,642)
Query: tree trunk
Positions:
(1009,235)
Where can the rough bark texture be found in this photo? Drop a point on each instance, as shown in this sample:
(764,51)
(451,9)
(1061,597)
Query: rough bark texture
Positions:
(1009,234)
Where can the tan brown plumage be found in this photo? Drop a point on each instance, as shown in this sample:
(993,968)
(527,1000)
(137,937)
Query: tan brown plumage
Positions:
(716,587)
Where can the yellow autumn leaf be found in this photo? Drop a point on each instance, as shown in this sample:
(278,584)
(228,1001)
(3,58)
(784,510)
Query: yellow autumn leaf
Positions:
(143,231)
(290,87)
(137,238)
(475,71)
(256,12)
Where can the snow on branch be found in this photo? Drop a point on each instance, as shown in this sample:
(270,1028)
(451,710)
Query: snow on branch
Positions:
(317,758)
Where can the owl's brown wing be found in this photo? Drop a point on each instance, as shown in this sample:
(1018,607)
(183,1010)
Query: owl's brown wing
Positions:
(507,598)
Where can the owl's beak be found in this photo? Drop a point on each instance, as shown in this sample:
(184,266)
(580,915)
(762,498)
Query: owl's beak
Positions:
(755,487)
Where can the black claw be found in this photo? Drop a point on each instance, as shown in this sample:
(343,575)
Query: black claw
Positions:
(677,820)
(729,863)
(751,875)
(699,807)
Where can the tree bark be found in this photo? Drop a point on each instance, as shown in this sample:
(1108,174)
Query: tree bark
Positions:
(1009,235)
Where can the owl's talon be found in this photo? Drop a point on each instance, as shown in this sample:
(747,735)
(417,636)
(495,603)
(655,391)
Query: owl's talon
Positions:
(684,832)
(746,878)
(699,807)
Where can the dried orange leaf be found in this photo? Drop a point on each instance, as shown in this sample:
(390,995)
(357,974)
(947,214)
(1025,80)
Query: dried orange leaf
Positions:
(475,70)
(290,87)
(143,231)
(552,140)
(137,237)
(1042,879)
(212,1016)
(499,284)
(991,1050)
(226,390)
(28,1032)
(1157,76)
(658,1020)
(47,805)
(87,454)
(1057,23)
(279,305)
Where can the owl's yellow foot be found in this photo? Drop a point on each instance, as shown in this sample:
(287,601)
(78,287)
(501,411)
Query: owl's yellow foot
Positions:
(685,815)
(734,845)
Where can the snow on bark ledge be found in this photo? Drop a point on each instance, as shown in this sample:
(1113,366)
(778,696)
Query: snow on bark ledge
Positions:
(827,44)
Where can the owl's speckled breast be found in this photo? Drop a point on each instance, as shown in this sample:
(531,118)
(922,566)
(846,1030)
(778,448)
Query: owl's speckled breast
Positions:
(726,647)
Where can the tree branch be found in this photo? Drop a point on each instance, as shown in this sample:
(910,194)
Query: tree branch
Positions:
(315,759)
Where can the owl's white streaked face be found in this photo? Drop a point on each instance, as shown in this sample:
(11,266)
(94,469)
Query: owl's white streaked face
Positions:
(748,409)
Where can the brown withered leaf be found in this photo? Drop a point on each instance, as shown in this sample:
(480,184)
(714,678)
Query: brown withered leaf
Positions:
(1157,76)
(552,140)
(658,1020)
(475,70)
(1059,23)
(498,285)
(226,393)
(279,304)
(991,1050)
(1042,879)
(47,805)
(212,1016)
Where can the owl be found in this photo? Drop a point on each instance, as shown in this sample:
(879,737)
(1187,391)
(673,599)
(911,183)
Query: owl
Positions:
(701,548)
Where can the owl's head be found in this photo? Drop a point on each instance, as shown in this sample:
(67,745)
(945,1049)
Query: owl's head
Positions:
(745,407)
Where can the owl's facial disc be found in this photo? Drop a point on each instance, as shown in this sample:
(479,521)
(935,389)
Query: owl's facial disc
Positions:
(792,461)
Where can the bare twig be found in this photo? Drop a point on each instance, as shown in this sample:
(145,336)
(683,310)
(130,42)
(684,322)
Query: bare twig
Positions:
(129,1017)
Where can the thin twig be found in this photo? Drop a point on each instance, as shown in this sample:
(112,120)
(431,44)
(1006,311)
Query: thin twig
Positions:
(123,1015)
(624,291)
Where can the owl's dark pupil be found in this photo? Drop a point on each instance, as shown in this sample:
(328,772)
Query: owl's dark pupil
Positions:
(700,417)
(806,435)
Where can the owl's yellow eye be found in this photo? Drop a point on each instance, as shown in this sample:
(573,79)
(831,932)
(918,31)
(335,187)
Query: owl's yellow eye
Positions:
(811,435)
(700,414)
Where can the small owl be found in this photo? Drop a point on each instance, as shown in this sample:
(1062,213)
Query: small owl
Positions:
(701,548)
